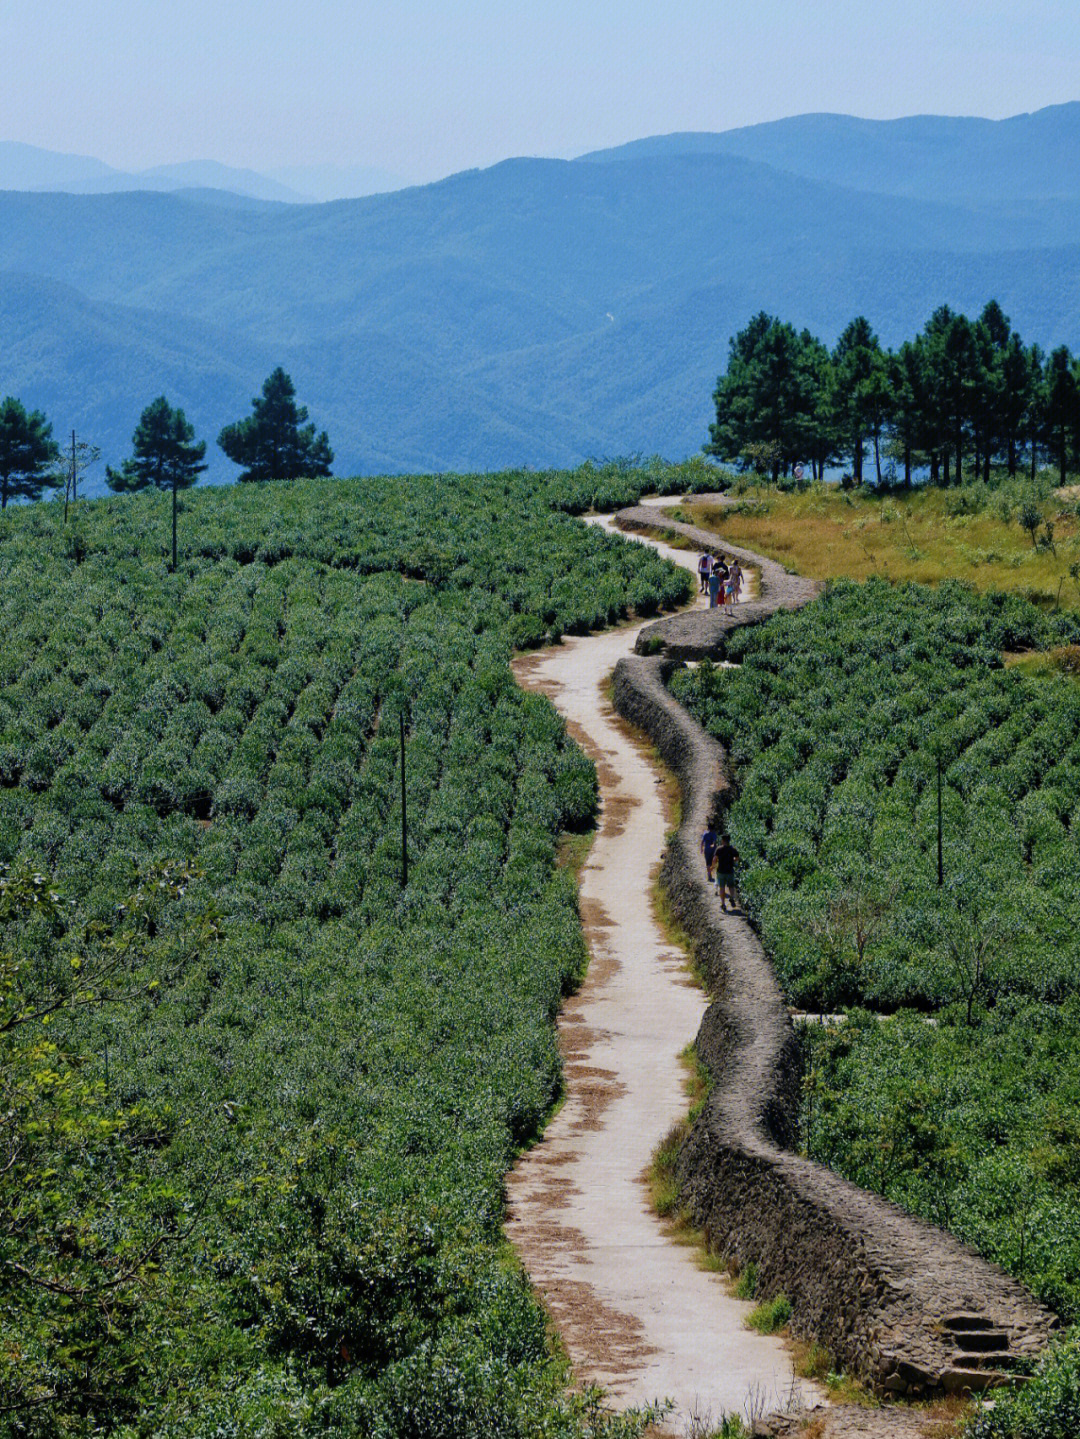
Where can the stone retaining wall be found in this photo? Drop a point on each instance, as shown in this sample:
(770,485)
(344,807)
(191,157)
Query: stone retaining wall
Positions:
(902,1304)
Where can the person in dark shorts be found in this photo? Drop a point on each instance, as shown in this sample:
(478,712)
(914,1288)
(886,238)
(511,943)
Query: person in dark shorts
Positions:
(709,842)
(726,858)
(704,568)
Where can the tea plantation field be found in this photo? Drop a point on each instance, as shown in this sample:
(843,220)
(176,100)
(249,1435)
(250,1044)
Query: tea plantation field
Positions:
(258,1099)
(954,1086)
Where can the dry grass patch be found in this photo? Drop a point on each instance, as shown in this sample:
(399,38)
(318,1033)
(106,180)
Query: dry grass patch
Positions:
(827,533)
(946,1417)
(1064,660)
(662,1179)
(573,850)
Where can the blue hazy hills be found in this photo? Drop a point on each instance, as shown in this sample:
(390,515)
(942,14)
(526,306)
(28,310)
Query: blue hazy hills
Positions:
(540,311)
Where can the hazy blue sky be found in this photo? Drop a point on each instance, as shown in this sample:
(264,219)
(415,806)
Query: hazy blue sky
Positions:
(424,88)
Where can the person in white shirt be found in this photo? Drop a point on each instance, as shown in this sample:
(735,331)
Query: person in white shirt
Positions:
(704,569)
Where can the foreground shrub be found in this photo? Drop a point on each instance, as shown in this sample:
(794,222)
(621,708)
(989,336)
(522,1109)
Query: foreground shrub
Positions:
(1048,1407)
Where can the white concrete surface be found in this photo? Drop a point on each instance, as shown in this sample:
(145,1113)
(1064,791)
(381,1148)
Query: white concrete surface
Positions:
(635,1311)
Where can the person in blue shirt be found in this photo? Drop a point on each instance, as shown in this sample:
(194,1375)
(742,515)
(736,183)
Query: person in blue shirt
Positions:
(709,843)
(717,576)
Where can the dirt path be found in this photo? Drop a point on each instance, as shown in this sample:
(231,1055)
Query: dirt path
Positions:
(635,1311)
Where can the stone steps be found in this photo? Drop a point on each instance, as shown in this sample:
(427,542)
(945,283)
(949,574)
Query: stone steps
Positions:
(958,1380)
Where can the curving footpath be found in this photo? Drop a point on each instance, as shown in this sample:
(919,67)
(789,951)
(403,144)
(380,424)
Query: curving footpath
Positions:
(898,1302)
(634,1310)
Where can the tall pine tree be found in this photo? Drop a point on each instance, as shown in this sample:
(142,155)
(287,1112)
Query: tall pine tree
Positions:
(273,443)
(27,449)
(166,456)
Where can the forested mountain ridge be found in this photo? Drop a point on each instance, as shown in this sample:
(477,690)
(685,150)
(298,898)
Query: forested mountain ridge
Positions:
(538,312)
(927,157)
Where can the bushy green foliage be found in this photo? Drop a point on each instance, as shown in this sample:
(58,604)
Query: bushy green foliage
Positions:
(1046,1408)
(962,394)
(975,1127)
(771,1315)
(747,1282)
(834,721)
(964,1105)
(310,1086)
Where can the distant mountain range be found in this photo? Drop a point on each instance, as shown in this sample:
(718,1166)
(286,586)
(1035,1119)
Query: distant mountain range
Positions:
(25,167)
(956,160)
(540,311)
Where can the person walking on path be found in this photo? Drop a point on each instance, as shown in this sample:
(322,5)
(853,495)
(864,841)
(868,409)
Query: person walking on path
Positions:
(735,578)
(729,586)
(704,569)
(726,858)
(715,581)
(709,843)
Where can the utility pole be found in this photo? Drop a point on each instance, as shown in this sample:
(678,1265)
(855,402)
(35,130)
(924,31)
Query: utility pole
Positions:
(940,860)
(90,456)
(404,812)
(69,488)
(174,524)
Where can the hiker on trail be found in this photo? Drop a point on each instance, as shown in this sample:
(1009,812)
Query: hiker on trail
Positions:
(704,568)
(717,580)
(729,586)
(714,584)
(726,857)
(735,578)
(709,842)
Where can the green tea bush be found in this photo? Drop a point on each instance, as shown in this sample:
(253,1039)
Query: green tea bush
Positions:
(305,1094)
(1048,1407)
(953,1088)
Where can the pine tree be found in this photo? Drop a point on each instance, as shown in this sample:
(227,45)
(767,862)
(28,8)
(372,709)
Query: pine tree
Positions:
(772,402)
(862,391)
(27,449)
(1062,406)
(273,443)
(165,456)
(1017,381)
(908,384)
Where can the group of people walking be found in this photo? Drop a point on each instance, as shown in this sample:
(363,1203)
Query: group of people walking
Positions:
(720,579)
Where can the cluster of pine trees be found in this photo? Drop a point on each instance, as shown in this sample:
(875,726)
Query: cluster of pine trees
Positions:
(272,443)
(960,397)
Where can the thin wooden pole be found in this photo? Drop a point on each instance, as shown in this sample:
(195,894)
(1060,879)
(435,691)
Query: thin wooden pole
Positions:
(404,812)
(69,487)
(940,857)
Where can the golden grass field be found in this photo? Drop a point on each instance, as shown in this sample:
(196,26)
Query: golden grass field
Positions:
(829,533)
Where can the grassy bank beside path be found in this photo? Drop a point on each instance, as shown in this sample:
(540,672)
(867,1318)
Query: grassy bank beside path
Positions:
(973,534)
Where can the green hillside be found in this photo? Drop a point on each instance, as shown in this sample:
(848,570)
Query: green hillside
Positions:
(258,1097)
(953,1086)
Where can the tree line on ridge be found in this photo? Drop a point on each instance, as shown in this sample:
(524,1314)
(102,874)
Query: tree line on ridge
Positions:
(961,396)
(272,443)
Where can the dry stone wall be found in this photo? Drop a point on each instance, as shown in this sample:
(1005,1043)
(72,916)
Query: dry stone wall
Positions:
(898,1302)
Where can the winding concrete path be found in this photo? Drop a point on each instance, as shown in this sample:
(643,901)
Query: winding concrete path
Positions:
(635,1311)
